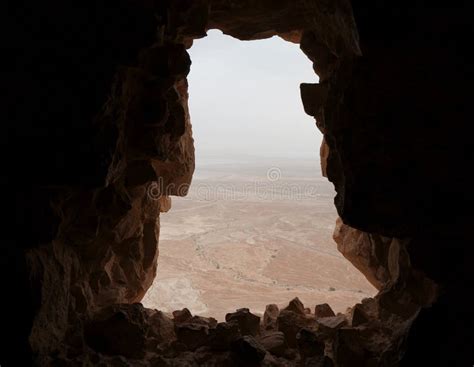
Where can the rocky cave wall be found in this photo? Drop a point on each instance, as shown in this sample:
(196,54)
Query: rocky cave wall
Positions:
(101,136)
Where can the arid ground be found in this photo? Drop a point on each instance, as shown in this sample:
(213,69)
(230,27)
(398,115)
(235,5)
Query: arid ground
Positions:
(250,234)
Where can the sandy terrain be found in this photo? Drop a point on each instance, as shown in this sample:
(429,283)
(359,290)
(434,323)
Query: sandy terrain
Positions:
(247,237)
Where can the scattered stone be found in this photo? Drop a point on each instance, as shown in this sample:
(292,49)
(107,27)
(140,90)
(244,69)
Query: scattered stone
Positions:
(323,310)
(249,324)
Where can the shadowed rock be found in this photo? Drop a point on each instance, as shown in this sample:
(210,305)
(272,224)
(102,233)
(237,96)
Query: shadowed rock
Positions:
(249,324)
(192,335)
(274,342)
(296,306)
(119,330)
(311,349)
(270,317)
(248,351)
(221,337)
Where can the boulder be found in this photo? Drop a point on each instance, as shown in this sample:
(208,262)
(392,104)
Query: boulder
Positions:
(270,317)
(323,310)
(192,335)
(118,330)
(358,315)
(327,326)
(248,351)
(180,316)
(296,305)
(249,324)
(223,335)
(274,342)
(290,323)
(309,344)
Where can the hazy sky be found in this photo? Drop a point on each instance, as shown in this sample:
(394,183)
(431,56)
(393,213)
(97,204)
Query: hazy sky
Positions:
(244,98)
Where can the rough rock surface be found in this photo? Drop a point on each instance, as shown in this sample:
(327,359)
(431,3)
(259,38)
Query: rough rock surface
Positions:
(367,252)
(99,127)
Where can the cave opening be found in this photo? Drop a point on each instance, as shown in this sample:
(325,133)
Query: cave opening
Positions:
(89,278)
(256,225)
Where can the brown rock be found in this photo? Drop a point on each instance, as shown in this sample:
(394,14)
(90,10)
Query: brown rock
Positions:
(323,310)
(165,204)
(180,316)
(358,315)
(329,325)
(210,322)
(270,317)
(324,60)
(223,335)
(324,155)
(119,330)
(290,323)
(296,305)
(248,351)
(314,97)
(309,345)
(192,335)
(170,60)
(367,252)
(274,342)
(249,324)
(348,350)
(161,326)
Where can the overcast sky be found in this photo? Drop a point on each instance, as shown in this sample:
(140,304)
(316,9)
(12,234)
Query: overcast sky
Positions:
(244,98)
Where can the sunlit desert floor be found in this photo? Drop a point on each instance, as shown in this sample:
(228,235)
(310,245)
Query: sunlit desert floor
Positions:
(248,238)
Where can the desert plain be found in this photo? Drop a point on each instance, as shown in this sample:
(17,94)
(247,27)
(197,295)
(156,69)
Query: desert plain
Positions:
(250,233)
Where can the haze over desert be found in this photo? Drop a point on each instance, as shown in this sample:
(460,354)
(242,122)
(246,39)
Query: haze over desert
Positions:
(251,233)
